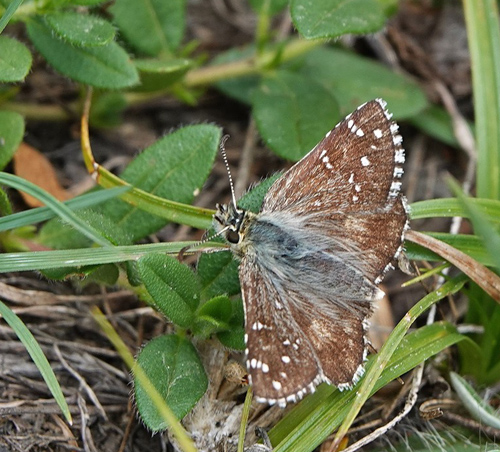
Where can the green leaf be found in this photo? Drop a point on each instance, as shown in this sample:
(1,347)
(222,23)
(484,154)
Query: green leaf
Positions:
(37,356)
(105,66)
(153,27)
(51,235)
(213,316)
(218,307)
(234,338)
(11,134)
(174,368)
(333,18)
(104,275)
(293,113)
(83,30)
(353,80)
(218,274)
(174,168)
(174,288)
(59,235)
(159,74)
(253,199)
(15,60)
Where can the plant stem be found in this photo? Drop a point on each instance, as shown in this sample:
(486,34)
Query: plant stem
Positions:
(247,66)
(204,76)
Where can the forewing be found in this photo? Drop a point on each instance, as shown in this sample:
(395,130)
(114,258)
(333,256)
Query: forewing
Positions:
(349,185)
(280,360)
(355,167)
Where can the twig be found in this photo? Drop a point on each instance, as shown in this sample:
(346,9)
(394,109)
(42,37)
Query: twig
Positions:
(82,382)
(471,424)
(88,443)
(246,159)
(410,403)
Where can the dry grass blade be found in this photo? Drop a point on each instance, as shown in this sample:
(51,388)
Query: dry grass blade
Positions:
(482,276)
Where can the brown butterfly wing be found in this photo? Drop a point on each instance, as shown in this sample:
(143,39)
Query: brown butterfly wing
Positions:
(351,181)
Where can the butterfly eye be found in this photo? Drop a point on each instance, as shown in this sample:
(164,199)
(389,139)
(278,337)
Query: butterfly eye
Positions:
(232,236)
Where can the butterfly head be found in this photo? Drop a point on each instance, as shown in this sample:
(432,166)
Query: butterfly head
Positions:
(229,222)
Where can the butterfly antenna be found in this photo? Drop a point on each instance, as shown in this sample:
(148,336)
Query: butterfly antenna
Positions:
(224,156)
(182,252)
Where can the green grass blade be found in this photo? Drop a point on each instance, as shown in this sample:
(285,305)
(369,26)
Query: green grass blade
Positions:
(477,407)
(482,227)
(44,260)
(309,423)
(483,33)
(452,207)
(372,375)
(39,214)
(9,12)
(37,356)
(58,207)
(185,442)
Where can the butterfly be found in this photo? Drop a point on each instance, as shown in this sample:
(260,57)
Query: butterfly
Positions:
(311,260)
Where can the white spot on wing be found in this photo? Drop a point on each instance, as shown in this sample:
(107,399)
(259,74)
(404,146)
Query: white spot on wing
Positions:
(285,359)
(397,139)
(365,161)
(377,133)
(398,171)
